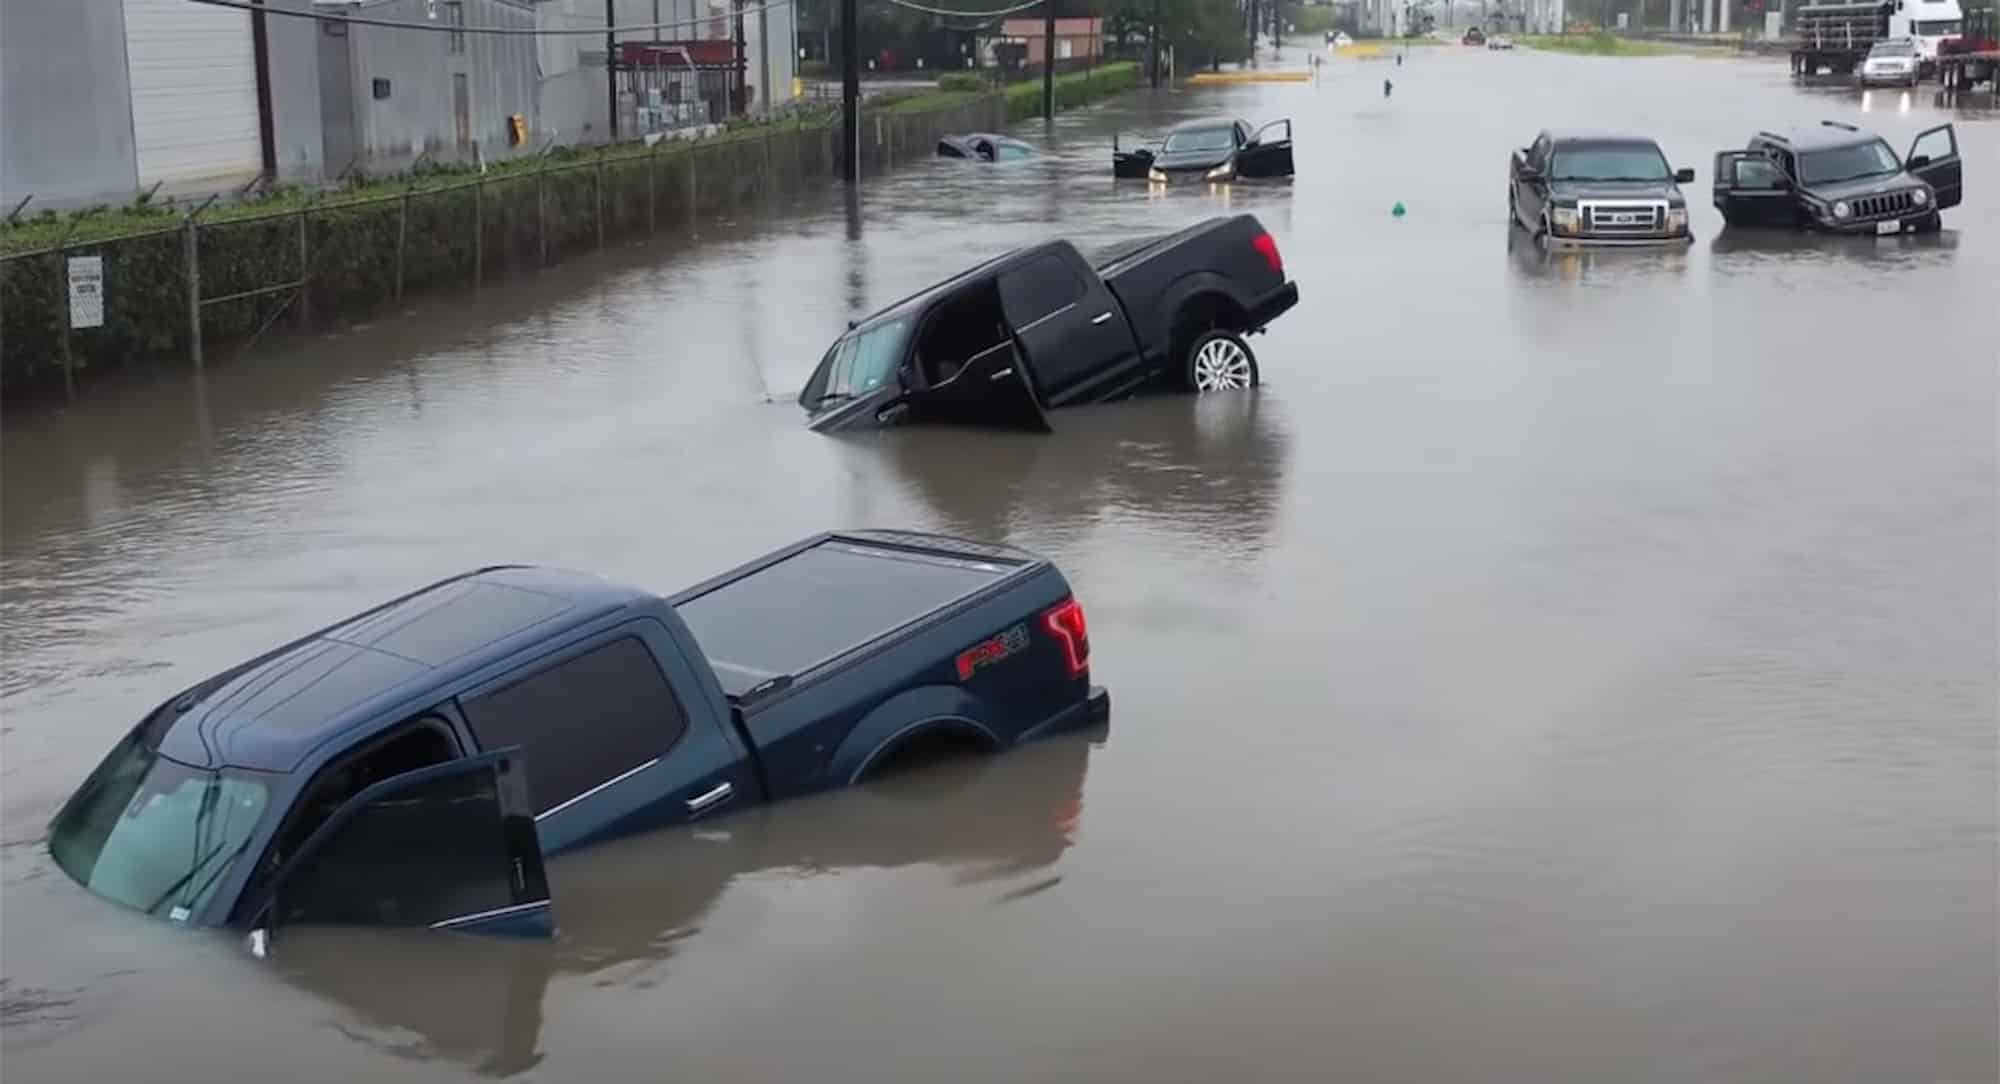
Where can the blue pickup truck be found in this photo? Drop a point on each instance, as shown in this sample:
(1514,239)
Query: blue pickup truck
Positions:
(412,766)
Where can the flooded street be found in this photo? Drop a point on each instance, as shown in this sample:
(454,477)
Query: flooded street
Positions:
(1574,667)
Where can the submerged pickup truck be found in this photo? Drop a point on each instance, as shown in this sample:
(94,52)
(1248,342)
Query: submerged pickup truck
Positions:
(1042,327)
(412,765)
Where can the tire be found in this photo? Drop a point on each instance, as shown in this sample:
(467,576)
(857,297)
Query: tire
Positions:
(1933,224)
(1513,208)
(1543,235)
(1219,360)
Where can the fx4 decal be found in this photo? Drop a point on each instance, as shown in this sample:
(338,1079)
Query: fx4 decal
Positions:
(988,652)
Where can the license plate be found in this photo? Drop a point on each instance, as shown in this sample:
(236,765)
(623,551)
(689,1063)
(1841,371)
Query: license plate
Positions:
(1888,227)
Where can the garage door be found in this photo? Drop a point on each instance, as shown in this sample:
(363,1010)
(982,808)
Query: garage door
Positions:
(194,91)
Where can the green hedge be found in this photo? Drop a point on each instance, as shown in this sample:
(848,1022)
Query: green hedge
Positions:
(961,82)
(1024,100)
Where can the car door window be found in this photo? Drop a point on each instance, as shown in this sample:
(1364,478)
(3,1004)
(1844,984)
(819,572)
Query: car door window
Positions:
(1538,155)
(1936,144)
(1038,289)
(438,850)
(584,721)
(1756,173)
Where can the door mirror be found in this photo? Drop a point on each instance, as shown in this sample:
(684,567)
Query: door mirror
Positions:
(1684,176)
(452,846)
(1918,162)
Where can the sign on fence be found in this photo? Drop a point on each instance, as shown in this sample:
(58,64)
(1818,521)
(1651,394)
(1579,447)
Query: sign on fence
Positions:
(86,291)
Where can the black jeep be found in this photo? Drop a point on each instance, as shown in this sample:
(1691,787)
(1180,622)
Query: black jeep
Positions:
(1839,178)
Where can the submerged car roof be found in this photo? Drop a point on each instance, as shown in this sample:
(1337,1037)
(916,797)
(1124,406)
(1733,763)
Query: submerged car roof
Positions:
(272,711)
(1821,136)
(1560,136)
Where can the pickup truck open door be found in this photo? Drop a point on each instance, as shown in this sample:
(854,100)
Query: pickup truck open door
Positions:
(992,390)
(1269,153)
(451,846)
(1934,157)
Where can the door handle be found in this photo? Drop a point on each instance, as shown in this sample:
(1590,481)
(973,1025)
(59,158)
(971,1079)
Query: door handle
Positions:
(1101,317)
(702,803)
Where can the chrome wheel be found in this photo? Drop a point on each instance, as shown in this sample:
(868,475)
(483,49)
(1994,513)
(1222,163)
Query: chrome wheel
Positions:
(1221,363)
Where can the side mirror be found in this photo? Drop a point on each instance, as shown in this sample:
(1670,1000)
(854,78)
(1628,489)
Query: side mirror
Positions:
(1683,176)
(1918,162)
(1782,184)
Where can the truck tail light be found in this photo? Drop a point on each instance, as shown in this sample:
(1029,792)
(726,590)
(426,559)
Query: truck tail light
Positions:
(1067,625)
(1268,246)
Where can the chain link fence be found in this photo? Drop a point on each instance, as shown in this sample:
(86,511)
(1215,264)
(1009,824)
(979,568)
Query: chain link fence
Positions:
(185,291)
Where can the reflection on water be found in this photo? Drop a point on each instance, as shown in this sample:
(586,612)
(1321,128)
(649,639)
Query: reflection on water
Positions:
(624,909)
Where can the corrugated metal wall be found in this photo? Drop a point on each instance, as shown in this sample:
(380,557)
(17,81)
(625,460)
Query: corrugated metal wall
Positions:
(418,114)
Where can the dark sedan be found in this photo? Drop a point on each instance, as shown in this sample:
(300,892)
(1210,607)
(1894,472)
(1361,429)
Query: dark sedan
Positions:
(1593,188)
(1215,150)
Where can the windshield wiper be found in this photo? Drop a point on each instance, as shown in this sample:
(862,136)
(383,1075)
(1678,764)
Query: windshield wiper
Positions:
(184,878)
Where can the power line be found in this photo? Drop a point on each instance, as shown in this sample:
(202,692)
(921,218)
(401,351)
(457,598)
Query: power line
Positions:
(511,31)
(949,12)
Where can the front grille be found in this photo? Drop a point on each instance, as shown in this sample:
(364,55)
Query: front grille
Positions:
(1887,205)
(1613,219)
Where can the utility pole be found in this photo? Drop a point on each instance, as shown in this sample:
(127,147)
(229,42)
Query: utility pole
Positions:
(1049,60)
(1153,48)
(850,92)
(764,58)
(611,66)
(1253,31)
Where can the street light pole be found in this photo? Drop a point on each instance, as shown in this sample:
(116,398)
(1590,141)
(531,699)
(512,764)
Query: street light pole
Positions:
(1048,59)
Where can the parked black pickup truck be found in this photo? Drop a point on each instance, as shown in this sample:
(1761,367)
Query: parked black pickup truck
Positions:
(1042,327)
(1838,178)
(1597,189)
(411,765)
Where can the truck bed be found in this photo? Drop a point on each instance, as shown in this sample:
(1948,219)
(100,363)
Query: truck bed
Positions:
(860,589)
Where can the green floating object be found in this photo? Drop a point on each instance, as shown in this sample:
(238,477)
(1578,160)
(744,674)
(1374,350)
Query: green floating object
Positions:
(1398,209)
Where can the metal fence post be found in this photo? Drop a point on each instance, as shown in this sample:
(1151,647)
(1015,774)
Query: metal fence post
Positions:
(191,250)
(599,192)
(479,233)
(402,231)
(693,192)
(542,214)
(62,303)
(652,206)
(305,275)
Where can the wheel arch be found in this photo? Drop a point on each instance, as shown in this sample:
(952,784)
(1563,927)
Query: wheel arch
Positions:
(906,716)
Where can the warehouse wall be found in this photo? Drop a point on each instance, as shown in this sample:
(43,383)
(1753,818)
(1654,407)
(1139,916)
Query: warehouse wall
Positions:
(65,103)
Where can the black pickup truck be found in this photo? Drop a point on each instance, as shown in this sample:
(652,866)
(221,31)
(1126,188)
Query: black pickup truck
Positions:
(411,765)
(1042,327)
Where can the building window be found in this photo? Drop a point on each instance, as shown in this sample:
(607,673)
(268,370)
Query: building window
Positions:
(454,15)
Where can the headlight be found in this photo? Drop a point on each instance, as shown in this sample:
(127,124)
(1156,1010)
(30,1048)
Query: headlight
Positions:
(1841,209)
(1157,175)
(1565,219)
(1677,219)
(1222,172)
(1920,197)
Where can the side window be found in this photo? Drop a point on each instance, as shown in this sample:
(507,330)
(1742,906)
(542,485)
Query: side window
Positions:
(1756,173)
(583,721)
(1936,144)
(1040,287)
(1538,155)
(433,851)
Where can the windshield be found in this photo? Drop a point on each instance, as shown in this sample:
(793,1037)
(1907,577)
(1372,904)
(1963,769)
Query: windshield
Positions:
(858,364)
(155,834)
(1936,28)
(1848,163)
(1636,162)
(1202,139)
(1893,48)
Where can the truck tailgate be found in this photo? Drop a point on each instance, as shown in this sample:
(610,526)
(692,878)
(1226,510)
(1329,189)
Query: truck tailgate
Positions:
(814,603)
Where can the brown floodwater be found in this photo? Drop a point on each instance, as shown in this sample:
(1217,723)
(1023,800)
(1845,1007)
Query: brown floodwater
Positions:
(1575,667)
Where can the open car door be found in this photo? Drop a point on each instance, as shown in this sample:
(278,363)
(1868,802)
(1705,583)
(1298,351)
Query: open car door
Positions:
(1934,157)
(991,390)
(452,846)
(1269,152)
(1132,165)
(1750,190)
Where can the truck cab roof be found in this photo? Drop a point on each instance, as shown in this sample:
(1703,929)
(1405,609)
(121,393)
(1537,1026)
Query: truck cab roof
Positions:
(1821,136)
(269,713)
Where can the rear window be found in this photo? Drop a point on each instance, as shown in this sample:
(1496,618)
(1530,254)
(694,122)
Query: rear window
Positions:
(822,602)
